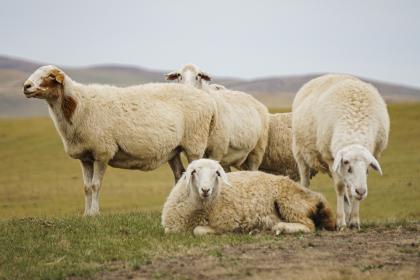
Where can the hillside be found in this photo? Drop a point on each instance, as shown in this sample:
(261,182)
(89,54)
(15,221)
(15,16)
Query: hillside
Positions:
(273,91)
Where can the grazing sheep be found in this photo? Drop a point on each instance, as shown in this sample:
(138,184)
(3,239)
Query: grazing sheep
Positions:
(207,200)
(241,128)
(340,127)
(138,127)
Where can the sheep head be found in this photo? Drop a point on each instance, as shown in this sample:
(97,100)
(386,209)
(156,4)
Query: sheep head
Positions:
(44,83)
(351,167)
(189,74)
(204,178)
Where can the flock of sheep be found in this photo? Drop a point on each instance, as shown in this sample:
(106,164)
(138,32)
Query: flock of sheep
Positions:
(338,125)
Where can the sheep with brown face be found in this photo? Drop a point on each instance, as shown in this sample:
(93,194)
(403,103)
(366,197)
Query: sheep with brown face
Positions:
(137,127)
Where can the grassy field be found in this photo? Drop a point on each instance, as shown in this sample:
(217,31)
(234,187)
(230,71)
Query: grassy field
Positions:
(41,199)
(39,180)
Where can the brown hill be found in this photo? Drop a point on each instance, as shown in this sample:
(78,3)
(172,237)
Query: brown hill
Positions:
(273,91)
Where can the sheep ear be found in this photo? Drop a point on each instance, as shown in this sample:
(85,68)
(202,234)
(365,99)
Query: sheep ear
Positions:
(372,161)
(57,75)
(337,161)
(375,165)
(188,174)
(204,76)
(172,76)
(222,176)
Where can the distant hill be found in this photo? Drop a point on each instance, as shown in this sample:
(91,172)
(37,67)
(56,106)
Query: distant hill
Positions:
(273,91)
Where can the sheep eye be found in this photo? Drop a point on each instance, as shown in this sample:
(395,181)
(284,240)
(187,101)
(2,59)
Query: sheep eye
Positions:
(350,170)
(346,162)
(218,173)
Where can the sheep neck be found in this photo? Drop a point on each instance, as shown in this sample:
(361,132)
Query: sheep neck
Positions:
(64,108)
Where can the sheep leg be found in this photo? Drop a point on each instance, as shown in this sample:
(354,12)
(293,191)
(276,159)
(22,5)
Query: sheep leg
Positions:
(283,227)
(347,208)
(354,221)
(203,230)
(87,171)
(341,215)
(304,172)
(193,156)
(177,167)
(252,162)
(99,168)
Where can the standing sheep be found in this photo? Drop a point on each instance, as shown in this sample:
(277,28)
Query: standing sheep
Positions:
(207,200)
(340,127)
(241,128)
(278,156)
(138,127)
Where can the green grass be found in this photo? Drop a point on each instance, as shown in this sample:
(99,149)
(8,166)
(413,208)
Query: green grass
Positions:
(42,234)
(76,246)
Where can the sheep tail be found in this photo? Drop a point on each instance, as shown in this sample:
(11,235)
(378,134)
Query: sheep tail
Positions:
(323,216)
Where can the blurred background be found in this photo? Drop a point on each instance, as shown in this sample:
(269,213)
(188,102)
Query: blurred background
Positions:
(266,48)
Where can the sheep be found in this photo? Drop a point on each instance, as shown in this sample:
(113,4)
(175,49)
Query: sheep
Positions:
(138,127)
(206,200)
(340,127)
(241,129)
(190,74)
(278,156)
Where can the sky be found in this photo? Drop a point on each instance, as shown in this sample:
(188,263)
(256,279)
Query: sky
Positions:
(376,39)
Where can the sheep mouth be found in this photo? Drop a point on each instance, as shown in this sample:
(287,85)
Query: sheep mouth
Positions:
(205,196)
(31,94)
(360,197)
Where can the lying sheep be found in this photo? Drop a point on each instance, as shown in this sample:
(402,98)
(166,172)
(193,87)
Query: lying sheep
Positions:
(138,127)
(241,128)
(207,200)
(340,127)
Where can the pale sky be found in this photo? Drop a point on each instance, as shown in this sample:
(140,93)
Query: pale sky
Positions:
(247,39)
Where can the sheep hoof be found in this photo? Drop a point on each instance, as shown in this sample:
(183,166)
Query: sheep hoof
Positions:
(354,225)
(91,213)
(342,227)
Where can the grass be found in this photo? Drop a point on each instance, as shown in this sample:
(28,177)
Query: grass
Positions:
(75,246)
(43,236)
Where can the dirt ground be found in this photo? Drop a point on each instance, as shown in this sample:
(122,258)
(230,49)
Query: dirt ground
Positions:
(374,253)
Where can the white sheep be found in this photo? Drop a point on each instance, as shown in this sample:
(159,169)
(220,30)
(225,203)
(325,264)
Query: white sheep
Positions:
(207,200)
(340,127)
(278,156)
(241,128)
(138,127)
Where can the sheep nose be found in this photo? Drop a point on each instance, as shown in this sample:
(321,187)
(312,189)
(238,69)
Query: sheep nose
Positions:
(27,86)
(360,191)
(205,191)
